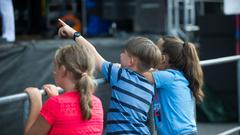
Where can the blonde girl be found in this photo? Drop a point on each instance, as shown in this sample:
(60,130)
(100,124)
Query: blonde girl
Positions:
(77,110)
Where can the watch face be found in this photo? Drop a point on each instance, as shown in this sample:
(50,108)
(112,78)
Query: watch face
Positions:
(77,34)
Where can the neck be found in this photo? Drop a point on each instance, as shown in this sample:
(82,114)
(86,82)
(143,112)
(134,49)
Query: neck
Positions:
(143,73)
(135,69)
(138,71)
(68,86)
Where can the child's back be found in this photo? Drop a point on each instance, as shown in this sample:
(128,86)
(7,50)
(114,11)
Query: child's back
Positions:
(178,84)
(77,110)
(173,103)
(63,112)
(130,101)
(132,93)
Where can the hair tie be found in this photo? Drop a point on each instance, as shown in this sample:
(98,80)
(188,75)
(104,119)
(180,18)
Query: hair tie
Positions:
(84,74)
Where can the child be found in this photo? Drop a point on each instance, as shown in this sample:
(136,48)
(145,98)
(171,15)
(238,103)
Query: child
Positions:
(76,111)
(131,93)
(178,84)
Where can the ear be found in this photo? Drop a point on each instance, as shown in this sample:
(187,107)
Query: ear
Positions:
(134,62)
(63,70)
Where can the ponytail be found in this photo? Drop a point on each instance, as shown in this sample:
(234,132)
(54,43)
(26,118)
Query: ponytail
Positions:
(85,86)
(183,56)
(78,60)
(193,71)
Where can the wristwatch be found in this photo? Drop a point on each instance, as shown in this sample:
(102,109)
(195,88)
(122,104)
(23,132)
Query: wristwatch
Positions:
(76,34)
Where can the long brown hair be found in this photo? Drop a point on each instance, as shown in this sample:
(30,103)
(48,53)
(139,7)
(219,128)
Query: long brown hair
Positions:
(183,56)
(77,60)
(145,50)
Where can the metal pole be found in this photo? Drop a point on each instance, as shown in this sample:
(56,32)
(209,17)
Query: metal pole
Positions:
(84,18)
(219,60)
(193,22)
(25,109)
(176,15)
(202,8)
(238,88)
(24,96)
(230,131)
(170,16)
(13,98)
(186,14)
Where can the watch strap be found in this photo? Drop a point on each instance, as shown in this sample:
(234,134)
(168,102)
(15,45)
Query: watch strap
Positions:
(76,34)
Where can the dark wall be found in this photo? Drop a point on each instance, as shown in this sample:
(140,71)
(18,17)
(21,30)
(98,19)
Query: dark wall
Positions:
(28,18)
(217,39)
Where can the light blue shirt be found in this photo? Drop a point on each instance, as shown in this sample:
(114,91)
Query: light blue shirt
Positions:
(130,102)
(173,103)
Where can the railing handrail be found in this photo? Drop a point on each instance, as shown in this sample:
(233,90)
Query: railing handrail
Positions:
(219,60)
(24,95)
(230,131)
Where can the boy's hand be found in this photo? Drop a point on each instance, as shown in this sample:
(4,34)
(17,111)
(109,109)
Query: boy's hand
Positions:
(51,90)
(35,95)
(65,30)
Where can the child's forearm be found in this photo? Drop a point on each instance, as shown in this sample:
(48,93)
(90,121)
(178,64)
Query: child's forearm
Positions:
(98,57)
(67,31)
(33,115)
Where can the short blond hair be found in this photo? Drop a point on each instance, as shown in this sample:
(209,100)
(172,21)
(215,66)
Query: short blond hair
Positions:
(145,50)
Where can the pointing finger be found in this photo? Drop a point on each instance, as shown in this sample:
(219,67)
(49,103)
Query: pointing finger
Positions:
(62,22)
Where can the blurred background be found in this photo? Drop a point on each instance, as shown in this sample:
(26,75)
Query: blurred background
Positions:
(213,25)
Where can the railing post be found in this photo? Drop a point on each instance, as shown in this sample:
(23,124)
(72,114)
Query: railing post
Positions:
(84,17)
(238,90)
(25,110)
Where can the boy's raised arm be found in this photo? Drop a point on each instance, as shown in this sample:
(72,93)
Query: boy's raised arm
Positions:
(68,32)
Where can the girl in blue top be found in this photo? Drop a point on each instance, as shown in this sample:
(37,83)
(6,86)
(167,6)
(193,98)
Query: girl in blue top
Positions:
(178,84)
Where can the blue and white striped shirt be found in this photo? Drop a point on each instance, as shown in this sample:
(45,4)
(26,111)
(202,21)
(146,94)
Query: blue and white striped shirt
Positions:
(130,101)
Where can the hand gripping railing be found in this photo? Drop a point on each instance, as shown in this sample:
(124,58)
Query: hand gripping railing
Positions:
(24,96)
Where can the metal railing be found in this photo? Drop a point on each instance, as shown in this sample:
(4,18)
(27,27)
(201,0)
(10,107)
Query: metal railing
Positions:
(24,97)
(230,131)
(225,60)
